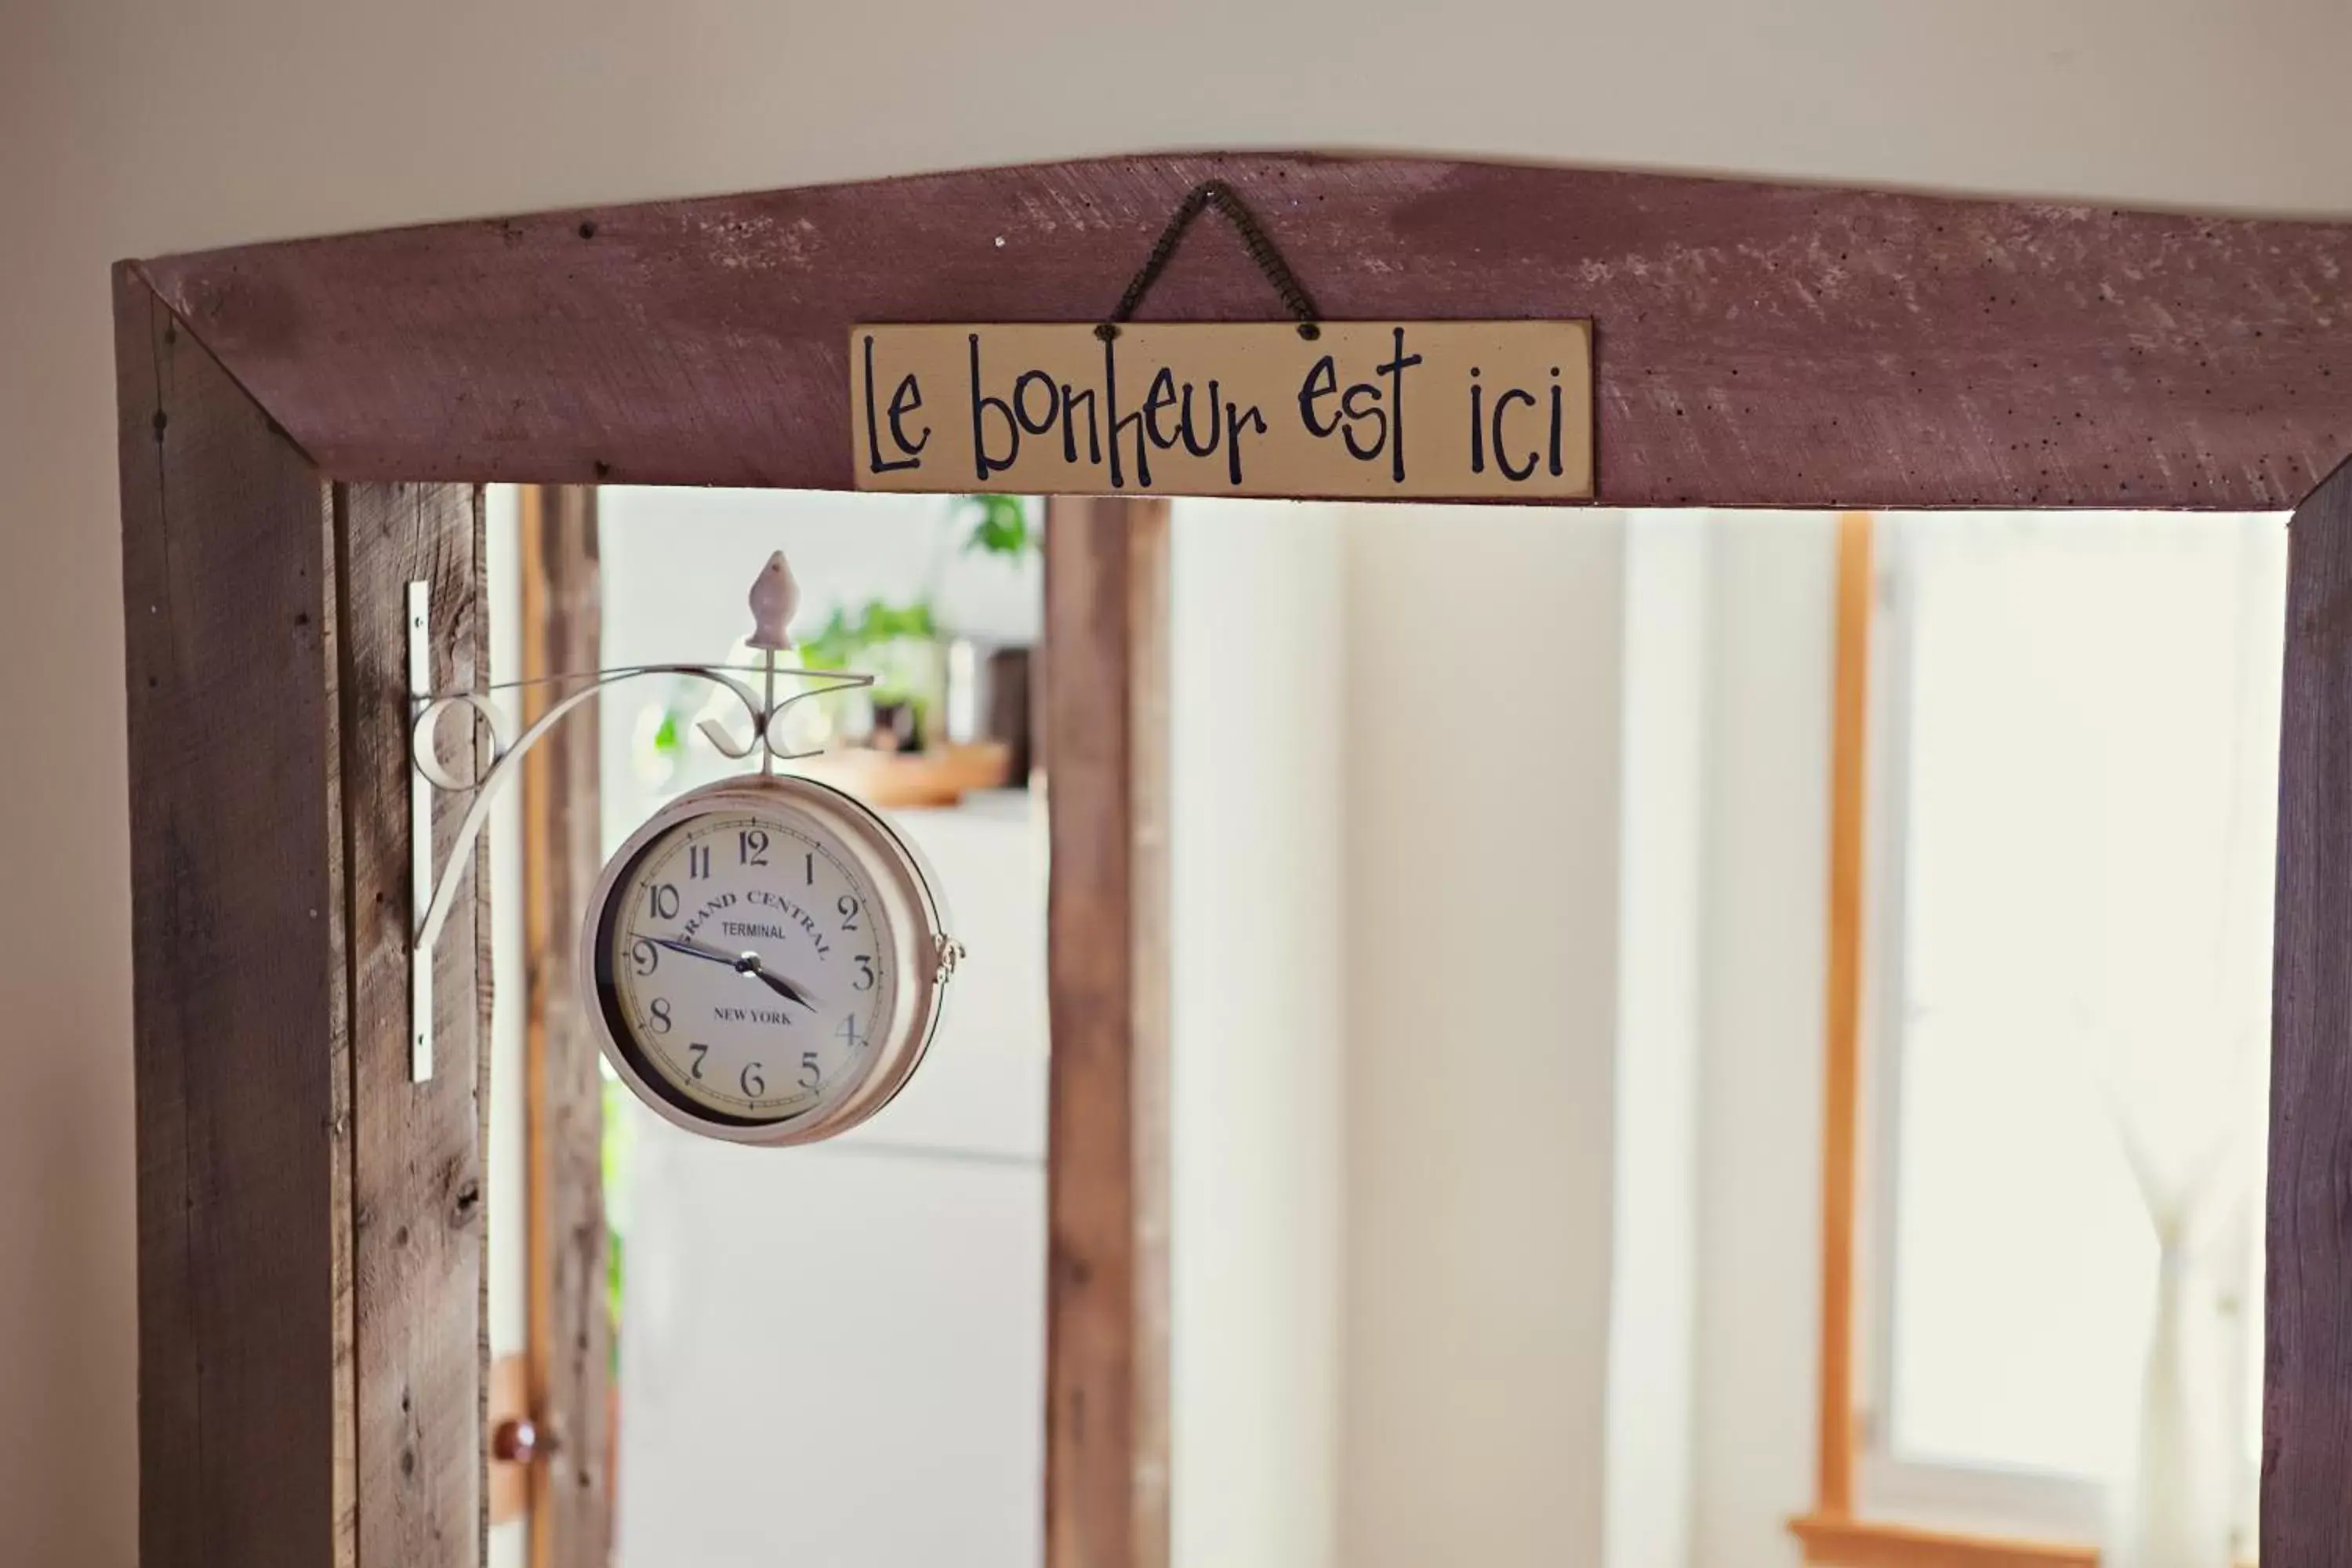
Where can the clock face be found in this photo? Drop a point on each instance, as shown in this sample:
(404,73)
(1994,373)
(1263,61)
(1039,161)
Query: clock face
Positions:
(751,969)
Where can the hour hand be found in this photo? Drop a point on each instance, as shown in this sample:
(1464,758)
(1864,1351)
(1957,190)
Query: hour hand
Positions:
(783,988)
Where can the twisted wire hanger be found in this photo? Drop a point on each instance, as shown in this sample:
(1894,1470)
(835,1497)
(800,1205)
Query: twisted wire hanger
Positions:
(1215,194)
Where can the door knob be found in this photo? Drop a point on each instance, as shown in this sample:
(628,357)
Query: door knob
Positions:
(515,1440)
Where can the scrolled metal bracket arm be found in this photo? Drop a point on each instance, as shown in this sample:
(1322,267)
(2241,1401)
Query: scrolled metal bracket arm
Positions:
(433,894)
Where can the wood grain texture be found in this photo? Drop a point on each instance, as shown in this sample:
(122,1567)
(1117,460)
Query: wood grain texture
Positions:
(570,1326)
(416,1167)
(239,1022)
(1758,344)
(2307,1506)
(1106,683)
(1842,1051)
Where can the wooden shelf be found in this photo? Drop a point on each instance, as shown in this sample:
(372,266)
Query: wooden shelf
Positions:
(912,779)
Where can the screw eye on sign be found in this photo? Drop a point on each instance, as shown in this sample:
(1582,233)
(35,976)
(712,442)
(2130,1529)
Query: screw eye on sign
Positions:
(1426,409)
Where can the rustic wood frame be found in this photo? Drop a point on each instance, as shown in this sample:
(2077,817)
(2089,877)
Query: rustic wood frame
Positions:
(302,427)
(568,1349)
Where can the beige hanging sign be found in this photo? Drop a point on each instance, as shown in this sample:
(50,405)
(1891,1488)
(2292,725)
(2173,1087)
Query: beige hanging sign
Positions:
(1483,410)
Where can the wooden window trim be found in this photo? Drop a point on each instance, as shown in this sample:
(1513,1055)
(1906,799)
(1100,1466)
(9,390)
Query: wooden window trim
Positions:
(1842,1055)
(1832,1534)
(1839,1541)
(302,423)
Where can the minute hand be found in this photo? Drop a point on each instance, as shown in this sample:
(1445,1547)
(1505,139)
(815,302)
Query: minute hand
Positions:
(696,950)
(742,963)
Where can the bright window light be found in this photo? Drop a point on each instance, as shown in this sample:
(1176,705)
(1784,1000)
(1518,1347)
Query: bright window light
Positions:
(2078,751)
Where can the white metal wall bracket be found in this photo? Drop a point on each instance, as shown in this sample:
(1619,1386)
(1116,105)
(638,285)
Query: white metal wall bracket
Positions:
(420,838)
(774,597)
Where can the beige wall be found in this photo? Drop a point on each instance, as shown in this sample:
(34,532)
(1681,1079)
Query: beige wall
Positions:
(1259,937)
(1654,1281)
(1484,709)
(1763,928)
(134,127)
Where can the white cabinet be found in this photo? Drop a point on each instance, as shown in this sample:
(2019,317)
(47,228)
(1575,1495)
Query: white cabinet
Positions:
(983,1087)
(834,1357)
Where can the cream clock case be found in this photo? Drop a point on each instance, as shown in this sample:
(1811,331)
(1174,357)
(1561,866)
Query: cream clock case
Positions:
(768,958)
(765,958)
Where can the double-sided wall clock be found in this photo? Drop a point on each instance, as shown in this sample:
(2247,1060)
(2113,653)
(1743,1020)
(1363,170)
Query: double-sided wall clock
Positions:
(768,957)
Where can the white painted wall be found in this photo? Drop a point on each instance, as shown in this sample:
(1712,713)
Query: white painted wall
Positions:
(132,127)
(1484,679)
(1654,1284)
(1258,1079)
(1583,789)
(1764,883)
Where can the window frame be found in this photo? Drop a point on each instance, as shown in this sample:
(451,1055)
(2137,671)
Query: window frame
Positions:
(2006,1504)
(1888,1483)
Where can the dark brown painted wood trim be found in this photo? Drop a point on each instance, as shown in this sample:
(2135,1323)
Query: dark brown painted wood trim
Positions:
(1106,686)
(1758,344)
(239,1037)
(2306,1509)
(570,1355)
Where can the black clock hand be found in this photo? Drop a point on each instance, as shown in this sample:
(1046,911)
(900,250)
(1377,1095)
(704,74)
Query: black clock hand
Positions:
(742,963)
(779,985)
(696,949)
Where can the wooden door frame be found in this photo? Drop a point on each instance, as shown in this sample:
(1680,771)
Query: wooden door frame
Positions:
(1105,681)
(303,426)
(569,1339)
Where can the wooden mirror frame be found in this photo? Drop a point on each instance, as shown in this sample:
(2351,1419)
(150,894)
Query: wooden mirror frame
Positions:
(304,426)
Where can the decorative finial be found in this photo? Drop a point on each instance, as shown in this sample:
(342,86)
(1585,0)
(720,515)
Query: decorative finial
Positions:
(774,598)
